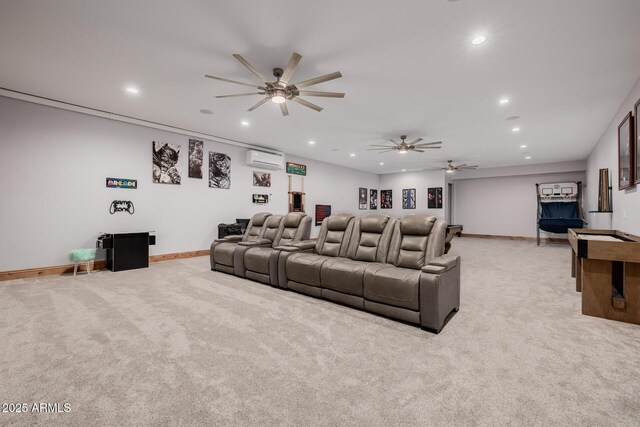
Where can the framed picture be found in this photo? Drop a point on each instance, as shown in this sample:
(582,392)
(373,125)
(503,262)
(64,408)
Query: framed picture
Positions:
(362,198)
(373,199)
(386,199)
(625,153)
(260,199)
(296,169)
(167,168)
(322,211)
(196,151)
(409,198)
(261,179)
(219,170)
(434,198)
(636,148)
(122,183)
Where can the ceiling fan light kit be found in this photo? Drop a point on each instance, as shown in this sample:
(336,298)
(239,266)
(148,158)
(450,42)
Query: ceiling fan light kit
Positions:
(279,91)
(404,147)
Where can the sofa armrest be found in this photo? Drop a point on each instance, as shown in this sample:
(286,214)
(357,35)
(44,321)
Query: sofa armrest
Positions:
(439,291)
(304,244)
(441,264)
(232,238)
(259,242)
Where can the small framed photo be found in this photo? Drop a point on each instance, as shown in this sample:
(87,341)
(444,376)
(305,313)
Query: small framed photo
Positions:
(636,148)
(362,198)
(625,153)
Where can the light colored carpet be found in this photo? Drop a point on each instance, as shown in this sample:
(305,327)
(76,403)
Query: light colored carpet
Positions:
(177,344)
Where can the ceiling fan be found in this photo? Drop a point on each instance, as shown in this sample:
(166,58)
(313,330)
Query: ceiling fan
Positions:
(404,147)
(450,168)
(279,91)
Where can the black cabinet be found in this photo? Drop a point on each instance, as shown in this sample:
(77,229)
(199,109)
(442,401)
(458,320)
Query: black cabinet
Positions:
(126,251)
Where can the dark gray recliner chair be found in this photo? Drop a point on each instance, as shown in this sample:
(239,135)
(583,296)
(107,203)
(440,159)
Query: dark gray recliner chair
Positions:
(418,283)
(221,255)
(299,265)
(342,279)
(261,263)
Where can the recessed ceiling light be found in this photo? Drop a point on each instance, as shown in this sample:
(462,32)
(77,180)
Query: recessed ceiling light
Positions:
(504,101)
(516,129)
(132,90)
(528,158)
(404,170)
(352,154)
(312,142)
(205,111)
(479,39)
(523,146)
(244,123)
(381,163)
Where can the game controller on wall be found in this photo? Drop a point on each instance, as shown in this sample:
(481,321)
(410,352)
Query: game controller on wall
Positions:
(121,206)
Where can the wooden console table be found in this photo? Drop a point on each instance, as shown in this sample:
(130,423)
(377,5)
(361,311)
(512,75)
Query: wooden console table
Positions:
(606,265)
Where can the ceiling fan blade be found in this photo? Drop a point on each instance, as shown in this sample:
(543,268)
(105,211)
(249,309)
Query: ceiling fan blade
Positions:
(316,80)
(291,66)
(250,67)
(382,149)
(380,145)
(240,94)
(418,151)
(468,167)
(397,143)
(283,108)
(460,166)
(316,93)
(429,148)
(259,104)
(414,141)
(424,144)
(232,81)
(306,103)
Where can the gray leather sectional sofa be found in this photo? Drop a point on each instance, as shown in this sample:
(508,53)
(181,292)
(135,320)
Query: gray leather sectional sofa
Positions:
(384,265)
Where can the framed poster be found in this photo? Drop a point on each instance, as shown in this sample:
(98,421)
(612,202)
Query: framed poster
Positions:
(409,198)
(196,150)
(434,198)
(122,183)
(322,211)
(261,179)
(386,199)
(373,199)
(636,148)
(167,168)
(296,169)
(260,199)
(625,153)
(219,170)
(362,198)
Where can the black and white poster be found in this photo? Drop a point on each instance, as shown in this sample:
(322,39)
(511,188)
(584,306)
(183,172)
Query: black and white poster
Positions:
(373,199)
(166,163)
(219,170)
(434,198)
(196,149)
(261,179)
(362,198)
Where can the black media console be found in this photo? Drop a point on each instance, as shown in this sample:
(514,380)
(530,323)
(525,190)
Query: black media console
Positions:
(126,251)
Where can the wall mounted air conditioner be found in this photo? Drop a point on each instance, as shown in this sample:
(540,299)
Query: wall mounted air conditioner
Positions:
(260,159)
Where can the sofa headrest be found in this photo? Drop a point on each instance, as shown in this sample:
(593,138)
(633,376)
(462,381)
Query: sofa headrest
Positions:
(274,221)
(338,222)
(292,219)
(417,225)
(259,218)
(374,223)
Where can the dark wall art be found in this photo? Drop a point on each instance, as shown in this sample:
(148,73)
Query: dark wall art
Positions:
(322,211)
(625,153)
(373,199)
(636,148)
(260,199)
(219,170)
(434,198)
(296,169)
(196,152)
(386,199)
(362,198)
(167,168)
(261,179)
(409,198)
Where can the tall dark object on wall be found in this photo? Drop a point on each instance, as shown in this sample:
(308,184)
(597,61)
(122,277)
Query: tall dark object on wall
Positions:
(219,170)
(322,212)
(196,152)
(636,146)
(386,199)
(409,198)
(626,168)
(604,192)
(362,198)
(434,198)
(126,251)
(296,198)
(167,168)
(373,199)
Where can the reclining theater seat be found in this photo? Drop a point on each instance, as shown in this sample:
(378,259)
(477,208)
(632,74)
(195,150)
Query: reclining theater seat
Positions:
(299,267)
(342,279)
(270,232)
(418,284)
(261,263)
(222,249)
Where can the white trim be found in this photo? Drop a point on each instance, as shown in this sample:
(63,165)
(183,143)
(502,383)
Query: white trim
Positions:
(8,93)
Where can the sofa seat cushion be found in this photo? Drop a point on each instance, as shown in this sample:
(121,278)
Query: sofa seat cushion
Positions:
(344,275)
(257,260)
(305,268)
(391,285)
(223,253)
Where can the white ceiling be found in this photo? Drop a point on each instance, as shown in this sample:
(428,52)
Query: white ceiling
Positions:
(408,67)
